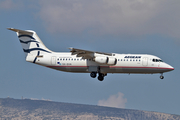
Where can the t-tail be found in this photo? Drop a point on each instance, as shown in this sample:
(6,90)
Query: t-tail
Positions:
(32,46)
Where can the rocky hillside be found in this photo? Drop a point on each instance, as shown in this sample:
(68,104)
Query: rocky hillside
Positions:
(26,109)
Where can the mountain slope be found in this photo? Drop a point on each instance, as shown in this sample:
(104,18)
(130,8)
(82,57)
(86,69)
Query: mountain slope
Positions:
(39,109)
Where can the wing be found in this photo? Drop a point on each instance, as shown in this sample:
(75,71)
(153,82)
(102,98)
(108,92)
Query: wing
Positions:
(86,54)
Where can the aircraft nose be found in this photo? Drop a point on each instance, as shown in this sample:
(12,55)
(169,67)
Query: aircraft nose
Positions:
(170,67)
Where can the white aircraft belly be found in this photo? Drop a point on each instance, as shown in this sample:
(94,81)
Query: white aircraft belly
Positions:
(128,69)
(111,69)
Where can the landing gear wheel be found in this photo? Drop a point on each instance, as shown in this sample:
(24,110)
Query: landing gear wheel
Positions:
(93,74)
(101,77)
(162,77)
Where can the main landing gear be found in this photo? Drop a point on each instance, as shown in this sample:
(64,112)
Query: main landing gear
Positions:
(100,77)
(161,77)
(93,74)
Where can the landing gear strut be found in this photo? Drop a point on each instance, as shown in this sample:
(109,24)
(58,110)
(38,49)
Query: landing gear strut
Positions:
(162,77)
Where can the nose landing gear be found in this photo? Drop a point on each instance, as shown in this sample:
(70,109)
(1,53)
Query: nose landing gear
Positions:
(162,77)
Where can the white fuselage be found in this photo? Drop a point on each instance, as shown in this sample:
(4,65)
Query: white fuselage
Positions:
(126,63)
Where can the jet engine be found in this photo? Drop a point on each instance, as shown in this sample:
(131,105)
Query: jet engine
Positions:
(102,60)
(106,60)
(111,61)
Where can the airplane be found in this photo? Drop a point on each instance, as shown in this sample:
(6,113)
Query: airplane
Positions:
(85,61)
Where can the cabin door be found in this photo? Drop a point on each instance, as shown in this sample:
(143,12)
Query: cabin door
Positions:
(145,61)
(53,60)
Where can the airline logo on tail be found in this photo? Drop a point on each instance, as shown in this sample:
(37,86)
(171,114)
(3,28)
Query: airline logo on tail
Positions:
(32,46)
(22,39)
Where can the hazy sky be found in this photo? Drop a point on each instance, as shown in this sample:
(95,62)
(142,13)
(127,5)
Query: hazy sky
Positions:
(120,26)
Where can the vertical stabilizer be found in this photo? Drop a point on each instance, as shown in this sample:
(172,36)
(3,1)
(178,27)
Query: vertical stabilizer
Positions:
(31,44)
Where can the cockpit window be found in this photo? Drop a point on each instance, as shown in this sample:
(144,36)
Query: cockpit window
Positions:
(157,60)
(160,61)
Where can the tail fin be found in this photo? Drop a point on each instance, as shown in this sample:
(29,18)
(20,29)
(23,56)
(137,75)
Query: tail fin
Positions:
(31,44)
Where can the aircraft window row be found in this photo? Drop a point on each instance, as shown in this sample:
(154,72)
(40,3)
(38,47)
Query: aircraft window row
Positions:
(73,59)
(129,60)
(157,60)
(76,59)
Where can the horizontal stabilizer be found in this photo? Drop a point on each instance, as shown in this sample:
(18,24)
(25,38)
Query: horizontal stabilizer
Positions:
(20,31)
